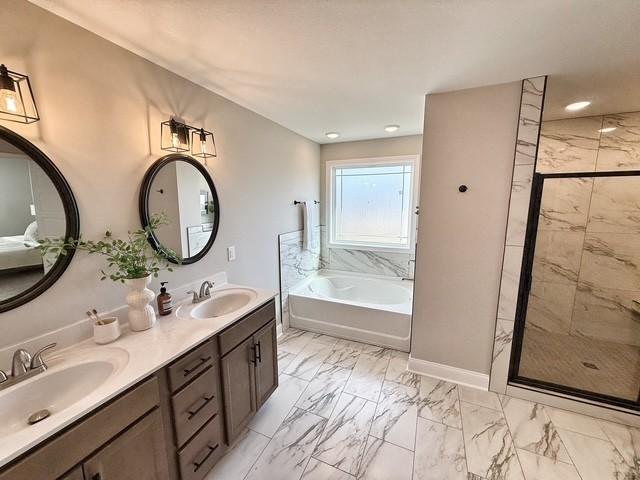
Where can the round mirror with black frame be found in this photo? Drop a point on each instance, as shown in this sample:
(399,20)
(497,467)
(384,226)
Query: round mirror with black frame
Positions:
(36,202)
(180,189)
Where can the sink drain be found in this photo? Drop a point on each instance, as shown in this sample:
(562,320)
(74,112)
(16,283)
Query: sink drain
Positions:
(38,416)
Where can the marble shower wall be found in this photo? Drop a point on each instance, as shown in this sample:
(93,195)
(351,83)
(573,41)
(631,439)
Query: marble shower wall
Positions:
(296,264)
(586,272)
(524,164)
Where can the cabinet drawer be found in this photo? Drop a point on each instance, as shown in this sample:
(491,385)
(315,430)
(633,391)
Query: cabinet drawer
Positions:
(191,365)
(202,452)
(195,404)
(236,334)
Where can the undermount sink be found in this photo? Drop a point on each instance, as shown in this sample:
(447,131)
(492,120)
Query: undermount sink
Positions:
(53,390)
(223,302)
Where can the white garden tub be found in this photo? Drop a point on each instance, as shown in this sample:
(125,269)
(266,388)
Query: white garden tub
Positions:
(359,307)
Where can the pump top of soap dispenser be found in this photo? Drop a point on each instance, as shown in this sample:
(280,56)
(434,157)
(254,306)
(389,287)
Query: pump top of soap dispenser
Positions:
(163,289)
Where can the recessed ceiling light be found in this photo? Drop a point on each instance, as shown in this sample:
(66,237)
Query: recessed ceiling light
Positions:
(574,107)
(392,128)
(607,129)
(332,135)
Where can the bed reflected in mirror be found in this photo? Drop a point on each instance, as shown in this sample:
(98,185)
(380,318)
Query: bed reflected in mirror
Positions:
(31,209)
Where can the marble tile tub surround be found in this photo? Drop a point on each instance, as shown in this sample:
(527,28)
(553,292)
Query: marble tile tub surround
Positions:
(524,164)
(416,428)
(296,264)
(372,262)
(138,355)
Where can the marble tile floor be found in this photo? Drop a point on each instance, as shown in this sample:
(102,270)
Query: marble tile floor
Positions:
(347,411)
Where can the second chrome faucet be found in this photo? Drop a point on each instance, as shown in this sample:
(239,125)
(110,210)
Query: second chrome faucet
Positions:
(205,292)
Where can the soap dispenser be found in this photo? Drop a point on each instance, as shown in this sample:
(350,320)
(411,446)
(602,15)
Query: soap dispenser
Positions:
(165,304)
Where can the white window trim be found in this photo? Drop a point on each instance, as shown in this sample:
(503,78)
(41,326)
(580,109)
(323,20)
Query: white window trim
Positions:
(372,161)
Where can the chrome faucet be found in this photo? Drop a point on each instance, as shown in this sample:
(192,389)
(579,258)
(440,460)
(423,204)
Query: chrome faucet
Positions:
(409,270)
(205,292)
(24,366)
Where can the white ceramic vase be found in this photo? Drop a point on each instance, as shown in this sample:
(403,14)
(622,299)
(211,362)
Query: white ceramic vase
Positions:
(141,314)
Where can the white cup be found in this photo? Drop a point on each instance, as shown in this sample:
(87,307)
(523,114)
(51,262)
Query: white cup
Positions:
(106,330)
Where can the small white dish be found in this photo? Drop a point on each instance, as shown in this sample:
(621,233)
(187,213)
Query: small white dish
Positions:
(106,330)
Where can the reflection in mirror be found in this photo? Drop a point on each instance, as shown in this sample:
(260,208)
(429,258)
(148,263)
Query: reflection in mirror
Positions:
(31,209)
(180,188)
(578,321)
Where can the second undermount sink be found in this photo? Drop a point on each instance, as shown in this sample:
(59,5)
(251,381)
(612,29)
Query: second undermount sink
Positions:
(223,302)
(54,390)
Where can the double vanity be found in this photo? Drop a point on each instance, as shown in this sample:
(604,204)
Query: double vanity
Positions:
(161,404)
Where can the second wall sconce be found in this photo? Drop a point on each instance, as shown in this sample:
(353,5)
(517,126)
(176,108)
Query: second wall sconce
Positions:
(16,98)
(179,137)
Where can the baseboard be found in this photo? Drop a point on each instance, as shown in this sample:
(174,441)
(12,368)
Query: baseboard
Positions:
(461,376)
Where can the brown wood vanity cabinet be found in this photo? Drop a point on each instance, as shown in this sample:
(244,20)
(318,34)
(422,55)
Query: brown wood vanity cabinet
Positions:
(170,426)
(249,367)
(197,408)
(123,440)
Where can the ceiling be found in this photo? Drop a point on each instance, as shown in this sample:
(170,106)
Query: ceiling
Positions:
(354,66)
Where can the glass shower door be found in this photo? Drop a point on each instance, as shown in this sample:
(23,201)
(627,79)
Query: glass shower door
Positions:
(578,319)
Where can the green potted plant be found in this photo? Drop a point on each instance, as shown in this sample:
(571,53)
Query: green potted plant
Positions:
(131,261)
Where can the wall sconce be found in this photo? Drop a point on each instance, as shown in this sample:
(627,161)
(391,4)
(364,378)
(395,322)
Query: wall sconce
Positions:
(202,144)
(174,136)
(16,98)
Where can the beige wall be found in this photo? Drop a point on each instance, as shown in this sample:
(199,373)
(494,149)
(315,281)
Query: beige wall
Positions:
(101,108)
(469,138)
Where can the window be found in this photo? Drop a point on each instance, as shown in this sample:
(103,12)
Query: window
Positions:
(371,203)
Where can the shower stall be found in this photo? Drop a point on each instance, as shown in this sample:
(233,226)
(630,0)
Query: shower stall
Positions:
(577,328)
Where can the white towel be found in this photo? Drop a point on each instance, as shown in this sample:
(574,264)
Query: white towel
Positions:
(309,235)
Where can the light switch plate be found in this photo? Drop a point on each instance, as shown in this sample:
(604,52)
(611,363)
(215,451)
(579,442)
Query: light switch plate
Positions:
(231,253)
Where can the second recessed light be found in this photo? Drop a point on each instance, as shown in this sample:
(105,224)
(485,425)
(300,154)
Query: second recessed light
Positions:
(391,128)
(574,107)
(332,135)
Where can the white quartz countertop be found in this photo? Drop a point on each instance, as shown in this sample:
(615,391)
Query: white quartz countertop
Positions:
(136,356)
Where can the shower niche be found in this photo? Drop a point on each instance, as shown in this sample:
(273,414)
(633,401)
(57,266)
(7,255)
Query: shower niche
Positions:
(577,326)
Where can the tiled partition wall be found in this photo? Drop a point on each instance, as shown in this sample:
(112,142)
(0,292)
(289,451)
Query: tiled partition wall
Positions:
(585,276)
(524,164)
(296,264)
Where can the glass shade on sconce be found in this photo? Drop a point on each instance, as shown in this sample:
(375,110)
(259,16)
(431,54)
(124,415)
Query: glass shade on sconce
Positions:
(16,98)
(202,144)
(174,136)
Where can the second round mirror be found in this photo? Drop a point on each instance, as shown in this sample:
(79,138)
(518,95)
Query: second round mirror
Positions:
(180,189)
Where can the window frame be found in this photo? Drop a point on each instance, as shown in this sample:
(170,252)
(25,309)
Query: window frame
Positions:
(330,167)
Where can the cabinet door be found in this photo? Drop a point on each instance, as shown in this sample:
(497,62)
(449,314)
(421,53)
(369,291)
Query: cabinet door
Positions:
(238,386)
(138,454)
(266,345)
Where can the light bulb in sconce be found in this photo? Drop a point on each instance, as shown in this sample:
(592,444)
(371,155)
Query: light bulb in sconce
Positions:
(175,139)
(8,94)
(203,142)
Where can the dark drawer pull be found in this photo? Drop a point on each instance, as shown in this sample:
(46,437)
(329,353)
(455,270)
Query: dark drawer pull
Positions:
(210,450)
(201,361)
(194,411)
(97,476)
(259,352)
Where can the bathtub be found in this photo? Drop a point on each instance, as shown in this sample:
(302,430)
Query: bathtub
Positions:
(358,307)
